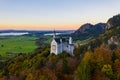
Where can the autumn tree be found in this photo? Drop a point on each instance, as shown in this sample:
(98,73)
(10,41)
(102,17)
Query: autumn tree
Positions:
(116,69)
(107,70)
(83,70)
(100,56)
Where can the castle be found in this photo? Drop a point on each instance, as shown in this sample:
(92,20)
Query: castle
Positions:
(58,45)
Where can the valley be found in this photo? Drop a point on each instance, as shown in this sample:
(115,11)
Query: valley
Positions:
(96,55)
(13,45)
(15,42)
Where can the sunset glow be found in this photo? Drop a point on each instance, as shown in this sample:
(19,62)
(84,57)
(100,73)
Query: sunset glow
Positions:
(39,26)
(54,14)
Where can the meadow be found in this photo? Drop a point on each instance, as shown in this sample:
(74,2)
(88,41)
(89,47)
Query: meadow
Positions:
(12,45)
(83,42)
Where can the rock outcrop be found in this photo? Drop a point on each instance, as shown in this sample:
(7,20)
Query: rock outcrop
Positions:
(113,22)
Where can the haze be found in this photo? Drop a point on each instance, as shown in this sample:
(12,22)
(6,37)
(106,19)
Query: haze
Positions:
(55,14)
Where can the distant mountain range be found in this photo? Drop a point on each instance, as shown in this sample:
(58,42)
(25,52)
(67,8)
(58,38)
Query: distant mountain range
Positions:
(38,32)
(92,31)
(88,30)
(7,31)
(101,33)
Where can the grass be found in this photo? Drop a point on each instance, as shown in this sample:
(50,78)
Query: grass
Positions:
(16,44)
(49,39)
(83,41)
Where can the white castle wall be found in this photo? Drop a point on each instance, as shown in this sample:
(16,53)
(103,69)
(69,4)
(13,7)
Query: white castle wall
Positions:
(57,48)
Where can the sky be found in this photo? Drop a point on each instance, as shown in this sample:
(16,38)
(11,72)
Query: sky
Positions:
(55,14)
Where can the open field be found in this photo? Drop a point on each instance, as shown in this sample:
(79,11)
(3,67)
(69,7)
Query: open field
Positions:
(16,44)
(83,41)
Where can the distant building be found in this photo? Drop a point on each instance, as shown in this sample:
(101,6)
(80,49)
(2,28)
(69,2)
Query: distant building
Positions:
(58,45)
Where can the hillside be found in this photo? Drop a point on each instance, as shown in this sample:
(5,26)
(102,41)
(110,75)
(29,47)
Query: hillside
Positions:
(113,21)
(88,30)
(111,36)
(97,60)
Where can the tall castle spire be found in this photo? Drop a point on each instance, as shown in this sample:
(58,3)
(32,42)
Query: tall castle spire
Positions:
(54,34)
(70,40)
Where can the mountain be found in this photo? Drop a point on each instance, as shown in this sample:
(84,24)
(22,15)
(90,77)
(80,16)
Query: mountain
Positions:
(92,31)
(113,31)
(88,30)
(113,22)
(111,36)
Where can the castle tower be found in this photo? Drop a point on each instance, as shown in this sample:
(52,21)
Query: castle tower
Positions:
(54,34)
(61,44)
(70,40)
(71,46)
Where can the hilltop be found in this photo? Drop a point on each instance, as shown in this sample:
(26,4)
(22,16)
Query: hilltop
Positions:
(88,30)
(113,22)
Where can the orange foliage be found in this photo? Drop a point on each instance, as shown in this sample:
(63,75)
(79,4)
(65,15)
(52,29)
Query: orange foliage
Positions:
(98,75)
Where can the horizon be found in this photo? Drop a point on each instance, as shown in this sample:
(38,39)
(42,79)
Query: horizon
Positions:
(59,15)
(35,30)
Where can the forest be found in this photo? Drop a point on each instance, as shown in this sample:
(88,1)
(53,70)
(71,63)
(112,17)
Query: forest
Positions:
(102,64)
(99,59)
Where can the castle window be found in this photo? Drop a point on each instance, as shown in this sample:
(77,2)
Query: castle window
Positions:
(54,47)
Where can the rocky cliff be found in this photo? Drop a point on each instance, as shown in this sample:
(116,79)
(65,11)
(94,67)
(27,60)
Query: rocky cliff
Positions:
(113,22)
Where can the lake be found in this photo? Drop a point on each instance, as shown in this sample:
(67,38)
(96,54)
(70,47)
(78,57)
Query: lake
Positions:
(13,34)
(62,33)
(50,34)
